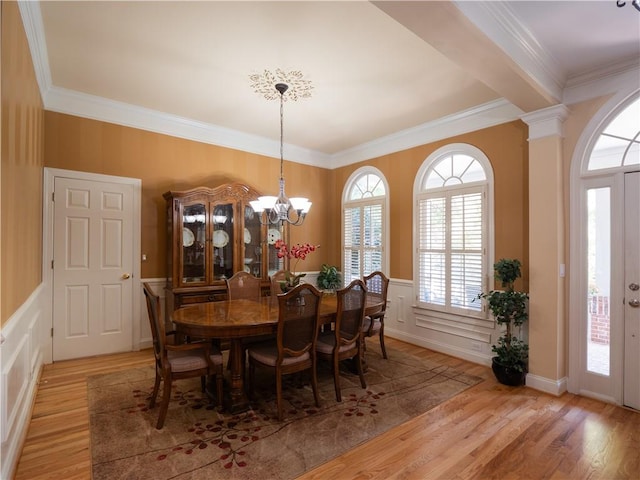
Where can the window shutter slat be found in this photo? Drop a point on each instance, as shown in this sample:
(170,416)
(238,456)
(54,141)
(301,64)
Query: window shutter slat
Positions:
(363,239)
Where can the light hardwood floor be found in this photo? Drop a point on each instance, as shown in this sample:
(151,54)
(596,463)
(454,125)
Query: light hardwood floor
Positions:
(488,431)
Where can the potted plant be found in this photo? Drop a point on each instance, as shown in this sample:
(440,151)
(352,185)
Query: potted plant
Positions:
(329,278)
(509,308)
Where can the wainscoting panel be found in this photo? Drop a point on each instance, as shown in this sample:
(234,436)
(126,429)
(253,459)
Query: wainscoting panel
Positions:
(25,339)
(15,381)
(463,337)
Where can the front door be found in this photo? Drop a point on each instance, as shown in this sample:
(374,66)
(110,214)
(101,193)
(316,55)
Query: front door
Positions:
(92,268)
(631,384)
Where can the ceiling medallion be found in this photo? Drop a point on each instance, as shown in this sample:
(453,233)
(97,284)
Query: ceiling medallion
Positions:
(265,84)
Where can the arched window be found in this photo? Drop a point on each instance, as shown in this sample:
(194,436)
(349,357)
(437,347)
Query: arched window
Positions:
(452,221)
(364,224)
(619,143)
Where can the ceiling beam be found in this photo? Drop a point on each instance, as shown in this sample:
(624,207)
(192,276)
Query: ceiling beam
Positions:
(447,29)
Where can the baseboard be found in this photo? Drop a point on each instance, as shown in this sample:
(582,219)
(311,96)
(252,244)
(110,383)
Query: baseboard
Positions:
(547,385)
(553,387)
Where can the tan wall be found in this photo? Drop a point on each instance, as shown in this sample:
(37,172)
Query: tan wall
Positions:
(21,170)
(507,149)
(167,163)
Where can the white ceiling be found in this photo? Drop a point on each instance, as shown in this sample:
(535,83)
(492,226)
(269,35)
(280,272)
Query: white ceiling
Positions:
(385,75)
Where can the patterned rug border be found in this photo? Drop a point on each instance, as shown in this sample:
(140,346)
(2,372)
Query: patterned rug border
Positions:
(398,389)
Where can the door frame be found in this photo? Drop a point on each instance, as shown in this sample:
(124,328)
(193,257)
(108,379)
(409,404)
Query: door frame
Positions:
(576,309)
(50,174)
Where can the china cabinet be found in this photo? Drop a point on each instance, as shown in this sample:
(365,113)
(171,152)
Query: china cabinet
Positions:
(213,233)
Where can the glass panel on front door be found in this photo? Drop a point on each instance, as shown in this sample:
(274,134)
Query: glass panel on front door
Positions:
(193,242)
(599,280)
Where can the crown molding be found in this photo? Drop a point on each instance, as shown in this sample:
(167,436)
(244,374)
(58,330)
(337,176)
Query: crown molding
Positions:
(34,30)
(602,81)
(499,22)
(97,108)
(476,118)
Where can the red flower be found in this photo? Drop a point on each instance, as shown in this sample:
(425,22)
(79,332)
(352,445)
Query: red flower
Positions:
(299,252)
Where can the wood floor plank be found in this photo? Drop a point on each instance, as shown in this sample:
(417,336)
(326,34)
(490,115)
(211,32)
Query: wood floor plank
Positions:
(489,431)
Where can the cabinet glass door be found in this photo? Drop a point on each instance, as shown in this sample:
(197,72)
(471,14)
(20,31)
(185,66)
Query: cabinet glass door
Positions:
(252,242)
(222,241)
(274,233)
(193,243)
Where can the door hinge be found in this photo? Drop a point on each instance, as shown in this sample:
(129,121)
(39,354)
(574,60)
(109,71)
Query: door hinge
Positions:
(51,332)
(53,196)
(51,264)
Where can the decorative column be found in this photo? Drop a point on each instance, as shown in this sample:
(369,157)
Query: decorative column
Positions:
(547,321)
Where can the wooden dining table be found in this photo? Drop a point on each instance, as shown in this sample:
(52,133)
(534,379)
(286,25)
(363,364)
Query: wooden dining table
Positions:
(236,320)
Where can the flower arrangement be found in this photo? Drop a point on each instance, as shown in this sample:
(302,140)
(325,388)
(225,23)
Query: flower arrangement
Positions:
(299,252)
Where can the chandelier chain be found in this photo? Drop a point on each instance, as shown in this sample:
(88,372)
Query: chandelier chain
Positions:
(281,134)
(280,210)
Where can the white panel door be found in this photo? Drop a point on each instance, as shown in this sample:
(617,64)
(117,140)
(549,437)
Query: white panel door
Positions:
(92,268)
(631,388)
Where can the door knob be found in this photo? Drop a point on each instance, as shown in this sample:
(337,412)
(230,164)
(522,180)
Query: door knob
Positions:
(635,303)
(125,276)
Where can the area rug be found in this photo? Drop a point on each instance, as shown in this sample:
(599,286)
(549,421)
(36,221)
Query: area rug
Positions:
(199,441)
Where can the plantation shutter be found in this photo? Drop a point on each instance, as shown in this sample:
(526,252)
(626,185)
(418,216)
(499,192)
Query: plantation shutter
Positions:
(363,236)
(372,245)
(432,251)
(466,250)
(352,242)
(451,249)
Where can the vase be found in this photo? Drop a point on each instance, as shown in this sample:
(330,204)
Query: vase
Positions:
(508,375)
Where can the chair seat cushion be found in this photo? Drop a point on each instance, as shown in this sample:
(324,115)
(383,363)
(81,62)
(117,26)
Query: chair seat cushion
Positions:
(183,361)
(327,342)
(367,322)
(267,354)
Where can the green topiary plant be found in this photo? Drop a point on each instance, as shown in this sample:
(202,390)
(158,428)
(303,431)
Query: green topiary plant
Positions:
(329,277)
(509,308)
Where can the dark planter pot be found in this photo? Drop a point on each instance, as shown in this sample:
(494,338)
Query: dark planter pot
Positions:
(507,375)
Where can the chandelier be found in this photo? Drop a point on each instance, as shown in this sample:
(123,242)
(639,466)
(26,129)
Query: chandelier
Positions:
(635,3)
(280,209)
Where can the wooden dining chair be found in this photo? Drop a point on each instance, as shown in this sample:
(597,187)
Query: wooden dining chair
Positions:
(346,340)
(243,285)
(293,349)
(175,362)
(276,278)
(377,286)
